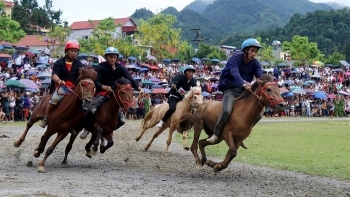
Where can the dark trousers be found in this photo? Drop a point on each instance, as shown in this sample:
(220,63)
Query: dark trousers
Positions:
(172,107)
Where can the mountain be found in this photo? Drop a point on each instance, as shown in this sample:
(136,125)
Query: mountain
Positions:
(198,5)
(336,6)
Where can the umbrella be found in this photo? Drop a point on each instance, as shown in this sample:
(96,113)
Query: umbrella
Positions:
(120,56)
(344,63)
(201,79)
(47,65)
(217,72)
(283,90)
(35,51)
(264,63)
(93,56)
(7,46)
(337,70)
(46,82)
(309,91)
(5,55)
(195,59)
(22,48)
(205,59)
(218,92)
(137,78)
(214,85)
(315,76)
(31,54)
(83,55)
(151,57)
(144,70)
(29,83)
(206,94)
(181,69)
(294,72)
(132,58)
(329,65)
(175,59)
(1,47)
(101,59)
(130,66)
(213,79)
(282,64)
(146,90)
(165,85)
(332,96)
(13,78)
(299,91)
(223,62)
(155,80)
(215,60)
(159,91)
(287,94)
(320,95)
(33,72)
(156,86)
(40,66)
(312,82)
(344,93)
(44,75)
(289,82)
(14,84)
(166,61)
(347,73)
(147,82)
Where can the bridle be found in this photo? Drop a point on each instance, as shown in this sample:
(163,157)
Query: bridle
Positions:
(118,99)
(81,84)
(272,101)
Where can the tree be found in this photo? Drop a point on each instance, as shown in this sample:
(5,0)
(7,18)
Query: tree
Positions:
(335,58)
(58,37)
(159,33)
(10,30)
(53,15)
(211,52)
(265,53)
(301,50)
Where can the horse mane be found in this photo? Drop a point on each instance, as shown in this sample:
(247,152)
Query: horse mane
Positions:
(121,81)
(264,78)
(87,73)
(194,89)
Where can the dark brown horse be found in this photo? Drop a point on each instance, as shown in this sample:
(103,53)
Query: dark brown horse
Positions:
(106,116)
(246,112)
(67,115)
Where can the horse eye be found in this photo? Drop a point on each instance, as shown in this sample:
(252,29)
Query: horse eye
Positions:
(122,93)
(268,89)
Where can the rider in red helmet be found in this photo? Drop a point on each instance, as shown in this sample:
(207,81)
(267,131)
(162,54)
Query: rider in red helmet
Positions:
(65,72)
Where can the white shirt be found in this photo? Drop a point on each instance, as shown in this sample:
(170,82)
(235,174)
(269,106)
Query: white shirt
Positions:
(27,66)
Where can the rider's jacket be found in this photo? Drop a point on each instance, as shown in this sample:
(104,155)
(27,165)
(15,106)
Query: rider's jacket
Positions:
(181,82)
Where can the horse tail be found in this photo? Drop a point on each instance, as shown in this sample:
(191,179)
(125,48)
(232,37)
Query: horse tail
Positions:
(186,122)
(147,118)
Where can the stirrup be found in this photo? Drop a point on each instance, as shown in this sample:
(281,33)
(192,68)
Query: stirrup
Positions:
(213,139)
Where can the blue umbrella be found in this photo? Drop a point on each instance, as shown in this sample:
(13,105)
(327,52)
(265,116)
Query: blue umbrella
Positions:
(83,55)
(310,82)
(120,56)
(206,94)
(137,68)
(1,47)
(175,59)
(137,78)
(215,60)
(264,63)
(41,66)
(146,90)
(46,82)
(156,86)
(132,58)
(205,59)
(143,70)
(320,95)
(289,82)
(7,46)
(197,60)
(287,94)
(93,56)
(282,64)
(166,61)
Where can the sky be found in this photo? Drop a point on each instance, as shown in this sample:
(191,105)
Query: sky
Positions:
(83,10)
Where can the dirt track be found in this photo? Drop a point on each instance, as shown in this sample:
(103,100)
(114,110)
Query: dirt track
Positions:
(127,170)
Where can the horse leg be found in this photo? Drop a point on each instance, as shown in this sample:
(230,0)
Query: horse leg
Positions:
(68,149)
(97,140)
(59,138)
(138,137)
(159,131)
(89,144)
(194,147)
(168,142)
(42,144)
(184,138)
(19,141)
(110,143)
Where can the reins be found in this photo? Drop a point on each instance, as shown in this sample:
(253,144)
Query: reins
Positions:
(192,107)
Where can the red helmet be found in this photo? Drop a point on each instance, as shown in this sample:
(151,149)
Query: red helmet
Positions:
(72,44)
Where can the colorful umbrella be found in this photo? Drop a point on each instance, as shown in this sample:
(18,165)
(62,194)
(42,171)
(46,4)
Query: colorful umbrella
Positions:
(14,84)
(28,83)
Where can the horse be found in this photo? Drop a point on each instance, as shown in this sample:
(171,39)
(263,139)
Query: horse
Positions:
(191,100)
(246,112)
(39,110)
(106,116)
(67,115)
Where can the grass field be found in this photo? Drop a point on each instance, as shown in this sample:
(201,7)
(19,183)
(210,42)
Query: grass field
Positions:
(317,148)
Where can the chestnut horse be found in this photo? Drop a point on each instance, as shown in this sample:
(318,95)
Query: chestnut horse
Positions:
(39,109)
(67,115)
(192,99)
(245,113)
(106,116)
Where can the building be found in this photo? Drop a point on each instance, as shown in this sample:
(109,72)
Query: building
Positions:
(83,29)
(228,49)
(8,6)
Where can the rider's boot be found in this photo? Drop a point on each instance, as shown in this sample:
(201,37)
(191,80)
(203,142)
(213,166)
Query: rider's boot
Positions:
(49,108)
(219,127)
(160,124)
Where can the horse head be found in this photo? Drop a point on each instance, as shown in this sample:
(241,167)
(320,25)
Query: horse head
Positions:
(85,88)
(194,96)
(123,93)
(268,93)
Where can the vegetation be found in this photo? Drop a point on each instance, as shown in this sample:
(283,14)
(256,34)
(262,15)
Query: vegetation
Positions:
(317,147)
(10,30)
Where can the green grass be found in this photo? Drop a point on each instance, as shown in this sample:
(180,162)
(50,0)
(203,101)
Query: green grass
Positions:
(317,148)
(13,124)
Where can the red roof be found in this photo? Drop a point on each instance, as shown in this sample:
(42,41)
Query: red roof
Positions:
(32,40)
(87,25)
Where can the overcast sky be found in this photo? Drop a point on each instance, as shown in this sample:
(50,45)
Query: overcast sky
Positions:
(83,10)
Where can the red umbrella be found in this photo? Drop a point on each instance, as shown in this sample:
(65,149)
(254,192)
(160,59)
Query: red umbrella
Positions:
(29,54)
(159,91)
(5,55)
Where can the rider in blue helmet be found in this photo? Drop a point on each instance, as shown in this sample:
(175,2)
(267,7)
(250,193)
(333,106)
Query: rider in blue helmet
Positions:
(179,85)
(107,73)
(236,76)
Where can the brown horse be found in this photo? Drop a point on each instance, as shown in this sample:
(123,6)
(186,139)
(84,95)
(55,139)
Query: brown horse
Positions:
(246,112)
(67,115)
(193,98)
(106,116)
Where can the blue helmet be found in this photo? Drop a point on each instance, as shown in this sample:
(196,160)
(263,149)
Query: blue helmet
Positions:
(251,42)
(112,50)
(189,67)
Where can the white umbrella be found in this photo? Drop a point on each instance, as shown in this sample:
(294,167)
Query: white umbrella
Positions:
(299,91)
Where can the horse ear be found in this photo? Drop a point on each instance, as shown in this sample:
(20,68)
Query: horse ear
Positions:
(260,82)
(198,83)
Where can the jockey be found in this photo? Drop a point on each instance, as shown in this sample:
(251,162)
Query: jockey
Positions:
(107,73)
(237,75)
(65,72)
(179,85)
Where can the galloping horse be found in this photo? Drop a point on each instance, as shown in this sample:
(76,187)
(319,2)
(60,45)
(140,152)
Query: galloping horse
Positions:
(246,112)
(192,99)
(106,116)
(39,109)
(67,115)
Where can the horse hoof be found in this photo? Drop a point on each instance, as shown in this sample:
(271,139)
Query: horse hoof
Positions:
(16,143)
(64,165)
(36,154)
(41,169)
(93,152)
(187,148)
(166,154)
(137,139)
(88,155)
(146,149)
(199,166)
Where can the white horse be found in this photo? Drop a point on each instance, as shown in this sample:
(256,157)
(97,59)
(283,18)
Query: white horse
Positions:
(192,99)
